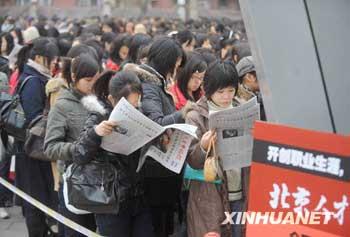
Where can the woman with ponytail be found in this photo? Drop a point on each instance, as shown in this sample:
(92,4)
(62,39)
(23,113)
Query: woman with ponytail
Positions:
(66,120)
(133,217)
(33,176)
(22,58)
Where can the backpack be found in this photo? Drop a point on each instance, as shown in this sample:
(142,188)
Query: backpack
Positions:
(12,117)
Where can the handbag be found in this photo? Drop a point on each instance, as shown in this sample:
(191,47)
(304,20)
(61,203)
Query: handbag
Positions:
(93,187)
(193,174)
(212,167)
(35,137)
(12,115)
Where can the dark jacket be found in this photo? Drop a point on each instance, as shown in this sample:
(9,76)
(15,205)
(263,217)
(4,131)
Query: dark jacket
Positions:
(162,186)
(158,105)
(34,176)
(87,148)
(33,94)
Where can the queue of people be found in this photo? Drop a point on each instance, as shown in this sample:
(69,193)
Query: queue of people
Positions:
(172,71)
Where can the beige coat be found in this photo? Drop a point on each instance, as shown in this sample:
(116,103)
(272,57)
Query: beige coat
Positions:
(207,201)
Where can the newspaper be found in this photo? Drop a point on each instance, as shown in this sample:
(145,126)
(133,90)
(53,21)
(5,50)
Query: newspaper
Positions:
(134,130)
(234,133)
(174,156)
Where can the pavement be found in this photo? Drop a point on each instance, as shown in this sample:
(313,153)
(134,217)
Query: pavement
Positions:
(14,226)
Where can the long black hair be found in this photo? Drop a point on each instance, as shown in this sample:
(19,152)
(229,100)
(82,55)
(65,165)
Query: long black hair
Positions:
(163,55)
(120,41)
(9,40)
(118,85)
(195,63)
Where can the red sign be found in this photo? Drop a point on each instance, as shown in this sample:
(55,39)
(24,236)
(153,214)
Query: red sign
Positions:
(303,178)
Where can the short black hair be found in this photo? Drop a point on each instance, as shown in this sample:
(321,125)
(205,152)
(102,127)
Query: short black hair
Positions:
(73,53)
(97,46)
(207,54)
(84,66)
(46,47)
(138,41)
(163,55)
(110,23)
(220,74)
(123,84)
(108,37)
(185,36)
(118,85)
(200,39)
(64,44)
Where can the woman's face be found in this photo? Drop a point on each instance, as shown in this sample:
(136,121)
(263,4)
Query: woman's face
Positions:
(134,99)
(189,46)
(195,81)
(85,85)
(106,28)
(206,44)
(123,52)
(223,97)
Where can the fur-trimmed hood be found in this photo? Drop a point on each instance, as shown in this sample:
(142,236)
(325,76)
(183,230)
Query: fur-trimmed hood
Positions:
(145,73)
(93,104)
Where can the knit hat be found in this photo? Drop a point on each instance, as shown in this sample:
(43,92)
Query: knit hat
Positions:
(30,34)
(140,28)
(245,65)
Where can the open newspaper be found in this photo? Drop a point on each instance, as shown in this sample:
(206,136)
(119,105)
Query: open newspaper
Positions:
(234,133)
(135,130)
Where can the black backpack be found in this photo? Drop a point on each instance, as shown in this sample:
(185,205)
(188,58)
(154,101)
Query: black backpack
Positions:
(12,117)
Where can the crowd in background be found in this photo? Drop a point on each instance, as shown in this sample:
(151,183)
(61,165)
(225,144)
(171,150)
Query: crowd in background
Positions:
(173,71)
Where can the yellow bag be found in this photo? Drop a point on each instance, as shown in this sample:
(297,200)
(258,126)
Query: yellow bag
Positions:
(211,165)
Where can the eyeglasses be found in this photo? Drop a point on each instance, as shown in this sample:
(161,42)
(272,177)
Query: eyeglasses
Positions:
(197,77)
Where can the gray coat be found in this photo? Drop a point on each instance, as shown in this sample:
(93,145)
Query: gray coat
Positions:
(65,122)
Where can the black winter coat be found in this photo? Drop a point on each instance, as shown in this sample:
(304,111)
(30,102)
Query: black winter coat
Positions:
(34,176)
(162,186)
(87,148)
(158,105)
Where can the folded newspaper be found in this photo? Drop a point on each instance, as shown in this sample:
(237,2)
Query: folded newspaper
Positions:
(135,130)
(234,133)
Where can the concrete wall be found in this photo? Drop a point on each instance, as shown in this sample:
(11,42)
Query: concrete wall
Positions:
(301,50)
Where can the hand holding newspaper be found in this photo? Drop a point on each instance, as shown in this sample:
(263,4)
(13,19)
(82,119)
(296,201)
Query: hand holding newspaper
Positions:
(234,133)
(135,130)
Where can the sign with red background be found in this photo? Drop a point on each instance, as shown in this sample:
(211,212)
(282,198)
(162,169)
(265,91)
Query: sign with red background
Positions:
(300,170)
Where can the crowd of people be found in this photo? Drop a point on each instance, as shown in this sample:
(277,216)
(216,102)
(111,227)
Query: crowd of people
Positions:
(172,71)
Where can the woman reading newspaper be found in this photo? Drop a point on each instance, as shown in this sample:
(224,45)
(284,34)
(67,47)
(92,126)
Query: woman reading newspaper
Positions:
(133,217)
(208,201)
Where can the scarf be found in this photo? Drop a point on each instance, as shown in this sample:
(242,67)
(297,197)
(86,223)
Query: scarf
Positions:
(40,68)
(234,179)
